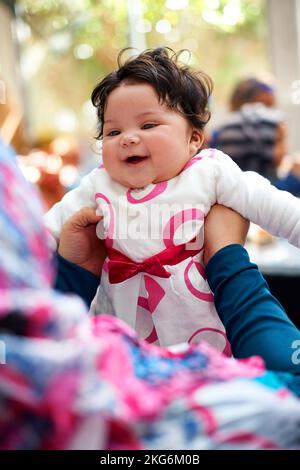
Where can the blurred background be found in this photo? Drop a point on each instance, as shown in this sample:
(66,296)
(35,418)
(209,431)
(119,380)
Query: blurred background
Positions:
(54,51)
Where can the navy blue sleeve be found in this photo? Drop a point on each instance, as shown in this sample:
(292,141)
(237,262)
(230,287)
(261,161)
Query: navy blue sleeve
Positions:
(255,322)
(71,278)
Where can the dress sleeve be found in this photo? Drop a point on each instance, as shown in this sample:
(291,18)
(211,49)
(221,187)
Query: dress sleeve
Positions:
(256,199)
(82,196)
(255,322)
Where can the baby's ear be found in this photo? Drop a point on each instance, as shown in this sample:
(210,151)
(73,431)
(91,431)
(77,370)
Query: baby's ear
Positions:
(196,141)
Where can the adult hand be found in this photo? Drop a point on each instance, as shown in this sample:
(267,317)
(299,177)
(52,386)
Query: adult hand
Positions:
(79,243)
(223,227)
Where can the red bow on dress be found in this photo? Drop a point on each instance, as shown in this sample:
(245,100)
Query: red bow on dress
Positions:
(120,267)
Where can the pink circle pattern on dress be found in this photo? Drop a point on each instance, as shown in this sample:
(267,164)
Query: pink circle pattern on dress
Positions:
(190,163)
(176,221)
(156,191)
(227,349)
(155,295)
(205,296)
(111,225)
(208,153)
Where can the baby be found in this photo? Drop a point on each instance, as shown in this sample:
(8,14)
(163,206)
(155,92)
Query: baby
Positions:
(154,189)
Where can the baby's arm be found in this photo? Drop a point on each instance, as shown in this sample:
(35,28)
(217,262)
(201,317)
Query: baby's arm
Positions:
(82,196)
(256,199)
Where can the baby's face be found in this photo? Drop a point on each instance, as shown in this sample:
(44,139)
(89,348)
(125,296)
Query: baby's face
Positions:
(144,141)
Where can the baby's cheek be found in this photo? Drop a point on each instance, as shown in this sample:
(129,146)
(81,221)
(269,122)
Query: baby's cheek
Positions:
(110,165)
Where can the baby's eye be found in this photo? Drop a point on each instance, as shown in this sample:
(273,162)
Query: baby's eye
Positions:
(148,125)
(113,133)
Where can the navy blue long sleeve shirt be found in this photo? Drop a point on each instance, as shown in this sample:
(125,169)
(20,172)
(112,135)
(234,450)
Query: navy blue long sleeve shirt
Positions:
(71,278)
(255,322)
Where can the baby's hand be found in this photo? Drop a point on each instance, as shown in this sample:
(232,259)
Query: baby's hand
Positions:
(79,243)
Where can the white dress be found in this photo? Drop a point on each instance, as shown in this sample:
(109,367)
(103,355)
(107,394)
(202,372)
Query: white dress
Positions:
(140,223)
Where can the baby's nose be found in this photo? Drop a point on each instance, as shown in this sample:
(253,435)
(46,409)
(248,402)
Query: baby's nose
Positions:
(129,139)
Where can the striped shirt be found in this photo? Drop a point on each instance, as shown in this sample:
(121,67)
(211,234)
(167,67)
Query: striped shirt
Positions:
(249,137)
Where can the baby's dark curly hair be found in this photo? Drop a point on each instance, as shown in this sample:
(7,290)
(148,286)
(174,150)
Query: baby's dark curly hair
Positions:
(177,85)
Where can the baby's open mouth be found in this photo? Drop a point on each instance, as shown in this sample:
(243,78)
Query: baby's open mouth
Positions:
(135,159)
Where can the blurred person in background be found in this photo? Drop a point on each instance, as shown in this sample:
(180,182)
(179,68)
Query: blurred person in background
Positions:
(253,133)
